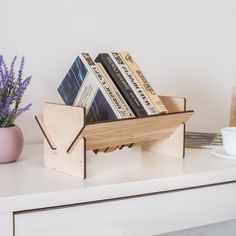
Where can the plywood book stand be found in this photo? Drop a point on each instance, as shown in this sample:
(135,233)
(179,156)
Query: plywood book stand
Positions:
(67,136)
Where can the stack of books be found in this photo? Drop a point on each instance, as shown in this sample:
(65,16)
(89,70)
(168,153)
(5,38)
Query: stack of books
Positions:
(203,140)
(110,87)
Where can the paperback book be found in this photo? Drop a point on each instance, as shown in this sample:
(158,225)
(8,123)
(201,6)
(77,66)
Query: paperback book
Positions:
(115,90)
(85,86)
(134,84)
(138,74)
(121,83)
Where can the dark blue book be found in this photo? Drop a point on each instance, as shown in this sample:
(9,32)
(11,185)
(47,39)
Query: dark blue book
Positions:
(83,86)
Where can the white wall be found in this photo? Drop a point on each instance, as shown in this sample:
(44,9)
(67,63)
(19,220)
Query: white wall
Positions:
(185,47)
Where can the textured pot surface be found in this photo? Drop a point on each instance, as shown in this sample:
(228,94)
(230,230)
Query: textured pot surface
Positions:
(11,144)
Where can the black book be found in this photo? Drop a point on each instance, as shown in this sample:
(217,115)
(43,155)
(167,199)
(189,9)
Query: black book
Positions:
(121,84)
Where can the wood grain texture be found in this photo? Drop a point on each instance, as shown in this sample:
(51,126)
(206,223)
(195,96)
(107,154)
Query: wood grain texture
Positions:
(174,104)
(171,146)
(48,138)
(66,130)
(63,124)
(174,145)
(134,130)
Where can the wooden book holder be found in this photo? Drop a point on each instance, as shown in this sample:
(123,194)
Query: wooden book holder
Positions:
(67,136)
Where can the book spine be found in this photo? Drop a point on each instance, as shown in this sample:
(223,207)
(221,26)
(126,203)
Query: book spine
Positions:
(105,88)
(134,84)
(116,91)
(121,84)
(136,71)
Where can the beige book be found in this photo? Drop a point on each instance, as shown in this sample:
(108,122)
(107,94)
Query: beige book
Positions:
(120,97)
(136,71)
(116,91)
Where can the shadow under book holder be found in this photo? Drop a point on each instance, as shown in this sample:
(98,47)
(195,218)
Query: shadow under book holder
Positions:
(67,136)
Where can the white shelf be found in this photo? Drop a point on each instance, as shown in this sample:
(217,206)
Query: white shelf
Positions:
(25,184)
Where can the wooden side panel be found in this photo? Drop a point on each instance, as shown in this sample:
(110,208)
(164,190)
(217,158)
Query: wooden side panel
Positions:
(174,104)
(50,156)
(233,108)
(63,125)
(47,137)
(73,163)
(174,145)
(109,134)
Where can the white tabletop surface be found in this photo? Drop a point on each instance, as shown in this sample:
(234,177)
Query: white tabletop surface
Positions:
(26,184)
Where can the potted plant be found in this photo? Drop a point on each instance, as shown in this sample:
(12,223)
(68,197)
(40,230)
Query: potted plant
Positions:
(12,88)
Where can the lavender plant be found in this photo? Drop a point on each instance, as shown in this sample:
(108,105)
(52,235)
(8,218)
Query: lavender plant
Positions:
(12,88)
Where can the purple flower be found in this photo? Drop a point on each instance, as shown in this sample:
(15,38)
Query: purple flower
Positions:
(2,76)
(21,110)
(12,88)
(13,65)
(26,82)
(20,72)
(8,103)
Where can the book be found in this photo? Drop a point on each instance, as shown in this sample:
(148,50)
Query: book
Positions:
(134,84)
(138,74)
(121,84)
(202,140)
(116,91)
(85,86)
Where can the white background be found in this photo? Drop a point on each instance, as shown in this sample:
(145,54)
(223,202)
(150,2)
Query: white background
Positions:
(186,48)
